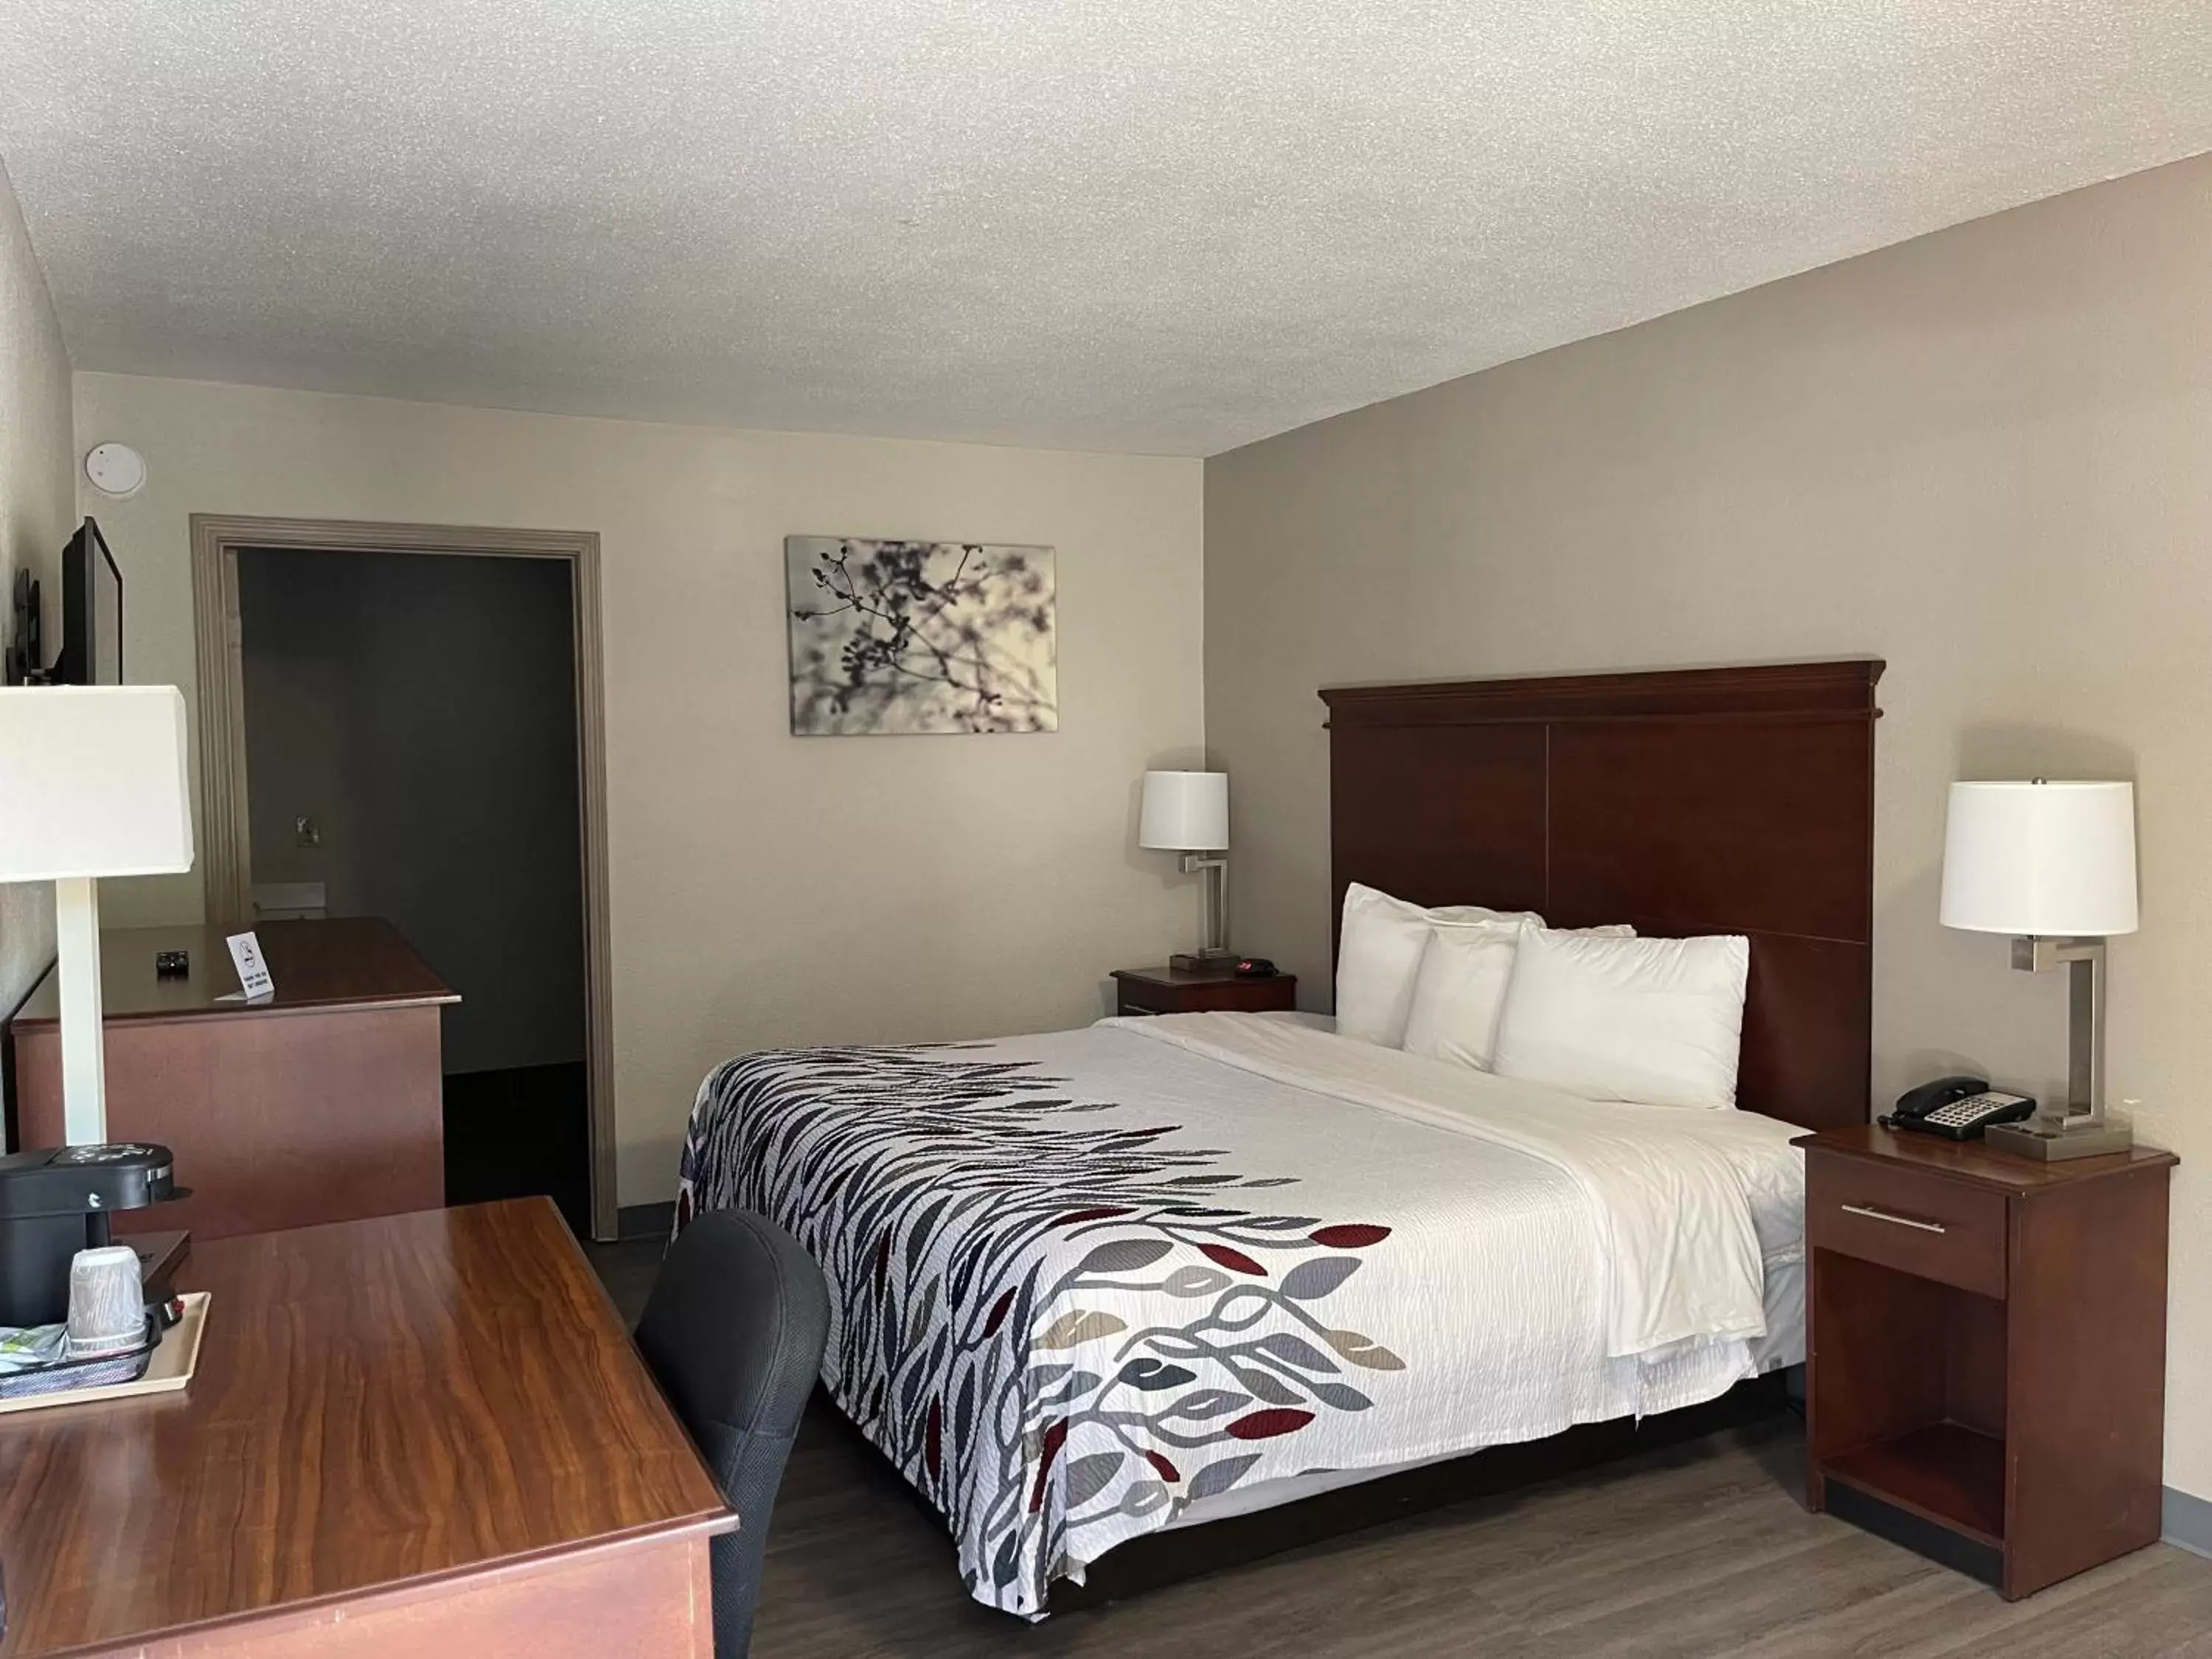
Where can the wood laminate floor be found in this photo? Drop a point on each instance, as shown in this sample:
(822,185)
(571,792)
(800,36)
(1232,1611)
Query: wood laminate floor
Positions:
(1701,1550)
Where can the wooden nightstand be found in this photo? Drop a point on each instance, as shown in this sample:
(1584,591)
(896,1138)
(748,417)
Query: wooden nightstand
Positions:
(1986,1377)
(1175,991)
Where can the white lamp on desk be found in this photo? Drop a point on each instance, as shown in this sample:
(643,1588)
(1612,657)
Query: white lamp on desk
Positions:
(1187,813)
(92,784)
(2054,865)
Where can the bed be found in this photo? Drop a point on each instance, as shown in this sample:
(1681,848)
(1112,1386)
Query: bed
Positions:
(1106,1297)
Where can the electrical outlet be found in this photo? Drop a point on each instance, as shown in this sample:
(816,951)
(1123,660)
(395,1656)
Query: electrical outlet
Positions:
(305,832)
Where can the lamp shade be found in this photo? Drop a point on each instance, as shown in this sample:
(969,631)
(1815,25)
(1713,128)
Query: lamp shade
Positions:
(92,782)
(2044,859)
(1185,811)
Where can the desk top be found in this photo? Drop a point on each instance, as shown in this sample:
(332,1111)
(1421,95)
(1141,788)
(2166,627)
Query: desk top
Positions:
(376,1402)
(358,961)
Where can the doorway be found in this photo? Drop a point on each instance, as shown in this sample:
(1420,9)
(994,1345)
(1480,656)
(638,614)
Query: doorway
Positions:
(404,722)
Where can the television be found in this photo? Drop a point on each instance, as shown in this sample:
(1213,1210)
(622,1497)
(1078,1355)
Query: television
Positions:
(92,612)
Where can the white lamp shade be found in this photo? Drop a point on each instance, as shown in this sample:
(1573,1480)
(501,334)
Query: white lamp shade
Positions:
(2048,860)
(1185,811)
(92,782)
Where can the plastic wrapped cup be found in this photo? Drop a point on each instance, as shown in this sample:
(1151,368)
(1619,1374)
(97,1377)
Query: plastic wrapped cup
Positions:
(107,1304)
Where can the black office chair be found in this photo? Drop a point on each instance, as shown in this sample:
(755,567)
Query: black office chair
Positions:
(734,1329)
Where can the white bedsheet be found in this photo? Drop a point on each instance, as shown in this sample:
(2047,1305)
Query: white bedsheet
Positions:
(1766,1189)
(1671,1190)
(1784,1344)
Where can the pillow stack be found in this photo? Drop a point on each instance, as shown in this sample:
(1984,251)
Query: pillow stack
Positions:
(1592,1012)
(1379,952)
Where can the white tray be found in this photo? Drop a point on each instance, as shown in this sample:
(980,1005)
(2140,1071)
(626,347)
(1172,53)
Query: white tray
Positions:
(170,1368)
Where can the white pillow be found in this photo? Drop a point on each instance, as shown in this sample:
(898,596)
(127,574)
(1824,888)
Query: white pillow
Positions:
(1656,1020)
(1459,989)
(1457,993)
(1378,951)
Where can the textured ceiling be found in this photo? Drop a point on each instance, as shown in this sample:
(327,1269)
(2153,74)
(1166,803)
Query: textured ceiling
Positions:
(1154,225)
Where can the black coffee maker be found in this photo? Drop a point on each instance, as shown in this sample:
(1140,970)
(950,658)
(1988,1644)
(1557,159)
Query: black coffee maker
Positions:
(55,1202)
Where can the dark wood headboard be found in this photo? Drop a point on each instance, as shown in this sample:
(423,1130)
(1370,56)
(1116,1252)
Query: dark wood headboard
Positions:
(1711,800)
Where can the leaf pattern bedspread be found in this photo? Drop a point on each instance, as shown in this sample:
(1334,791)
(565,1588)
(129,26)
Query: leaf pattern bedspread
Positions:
(1080,1282)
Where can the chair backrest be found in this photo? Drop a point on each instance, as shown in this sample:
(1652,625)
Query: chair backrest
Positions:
(735,1330)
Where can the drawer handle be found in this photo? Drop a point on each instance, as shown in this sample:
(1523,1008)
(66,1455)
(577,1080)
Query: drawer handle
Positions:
(1873,1214)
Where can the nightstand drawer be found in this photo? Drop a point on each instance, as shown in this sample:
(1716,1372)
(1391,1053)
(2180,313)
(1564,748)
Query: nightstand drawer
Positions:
(1919,1224)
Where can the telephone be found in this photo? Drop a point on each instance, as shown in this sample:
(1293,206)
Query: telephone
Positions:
(1957,1108)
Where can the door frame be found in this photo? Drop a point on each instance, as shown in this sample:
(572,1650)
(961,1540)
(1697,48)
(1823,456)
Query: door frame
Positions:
(226,855)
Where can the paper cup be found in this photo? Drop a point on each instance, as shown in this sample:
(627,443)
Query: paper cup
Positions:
(107,1304)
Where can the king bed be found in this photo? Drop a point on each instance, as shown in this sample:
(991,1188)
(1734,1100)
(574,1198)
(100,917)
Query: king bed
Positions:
(1126,1303)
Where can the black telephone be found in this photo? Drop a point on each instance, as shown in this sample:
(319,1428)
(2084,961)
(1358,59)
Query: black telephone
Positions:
(1957,1108)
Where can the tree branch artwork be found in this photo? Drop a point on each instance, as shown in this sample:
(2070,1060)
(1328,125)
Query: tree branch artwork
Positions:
(898,637)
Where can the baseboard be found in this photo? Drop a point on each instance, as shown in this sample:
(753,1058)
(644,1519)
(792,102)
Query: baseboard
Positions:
(2189,1522)
(645,1220)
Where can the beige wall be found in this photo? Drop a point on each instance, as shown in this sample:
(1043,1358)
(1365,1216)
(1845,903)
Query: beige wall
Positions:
(1985,455)
(36,502)
(765,889)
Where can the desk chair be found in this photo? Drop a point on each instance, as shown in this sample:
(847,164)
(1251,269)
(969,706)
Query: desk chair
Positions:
(734,1329)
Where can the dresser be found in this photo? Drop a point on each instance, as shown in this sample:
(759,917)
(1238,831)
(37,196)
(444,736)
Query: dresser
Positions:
(419,1434)
(1986,1375)
(324,1104)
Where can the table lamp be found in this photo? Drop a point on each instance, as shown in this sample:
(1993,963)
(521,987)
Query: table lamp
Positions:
(1189,812)
(92,784)
(2054,865)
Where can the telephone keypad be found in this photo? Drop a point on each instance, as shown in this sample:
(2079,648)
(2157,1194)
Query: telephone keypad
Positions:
(1964,1113)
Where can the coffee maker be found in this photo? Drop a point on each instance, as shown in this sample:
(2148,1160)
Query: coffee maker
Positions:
(56,1201)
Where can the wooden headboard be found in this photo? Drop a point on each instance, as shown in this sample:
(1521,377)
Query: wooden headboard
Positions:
(1720,800)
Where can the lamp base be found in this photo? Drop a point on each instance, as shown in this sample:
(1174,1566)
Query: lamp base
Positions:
(1211,960)
(2048,1139)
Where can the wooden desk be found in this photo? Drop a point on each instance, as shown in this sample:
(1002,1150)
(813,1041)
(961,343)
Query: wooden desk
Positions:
(1987,1376)
(325,1104)
(423,1434)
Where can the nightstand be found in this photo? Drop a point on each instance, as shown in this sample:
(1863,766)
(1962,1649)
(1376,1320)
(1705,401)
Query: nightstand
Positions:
(1986,1376)
(1177,990)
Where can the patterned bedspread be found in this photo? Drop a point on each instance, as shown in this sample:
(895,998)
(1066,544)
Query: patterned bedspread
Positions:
(1083,1281)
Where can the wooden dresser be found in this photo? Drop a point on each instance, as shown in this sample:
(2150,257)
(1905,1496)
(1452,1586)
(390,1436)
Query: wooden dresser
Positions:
(325,1104)
(1987,1375)
(421,1434)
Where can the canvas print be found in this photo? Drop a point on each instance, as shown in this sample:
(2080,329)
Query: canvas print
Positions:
(899,637)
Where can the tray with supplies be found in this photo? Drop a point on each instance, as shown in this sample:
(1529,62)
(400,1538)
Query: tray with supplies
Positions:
(164,1364)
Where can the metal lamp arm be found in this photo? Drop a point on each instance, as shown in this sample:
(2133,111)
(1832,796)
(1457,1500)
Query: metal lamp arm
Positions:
(1215,868)
(2084,961)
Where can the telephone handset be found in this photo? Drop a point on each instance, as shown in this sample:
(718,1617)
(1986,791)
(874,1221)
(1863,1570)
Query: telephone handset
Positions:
(1956,1107)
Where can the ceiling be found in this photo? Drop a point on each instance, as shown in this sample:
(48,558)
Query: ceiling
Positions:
(1167,225)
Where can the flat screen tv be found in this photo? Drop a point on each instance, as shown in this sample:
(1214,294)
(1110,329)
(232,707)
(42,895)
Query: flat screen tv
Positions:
(92,612)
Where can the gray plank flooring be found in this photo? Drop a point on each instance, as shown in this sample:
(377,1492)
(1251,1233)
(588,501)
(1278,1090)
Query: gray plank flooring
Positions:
(1700,1550)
